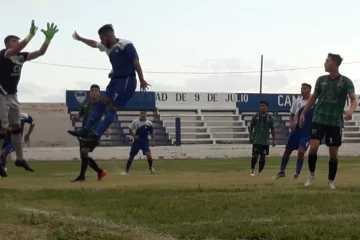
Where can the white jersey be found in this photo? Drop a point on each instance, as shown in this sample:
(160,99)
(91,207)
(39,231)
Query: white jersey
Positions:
(297,108)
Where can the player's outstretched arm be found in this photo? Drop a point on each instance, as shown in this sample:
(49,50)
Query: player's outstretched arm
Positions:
(89,42)
(49,34)
(22,44)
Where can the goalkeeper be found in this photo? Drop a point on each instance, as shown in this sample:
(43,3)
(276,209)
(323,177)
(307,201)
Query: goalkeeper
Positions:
(11,61)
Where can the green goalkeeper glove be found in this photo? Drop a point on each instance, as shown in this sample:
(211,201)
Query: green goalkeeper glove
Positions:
(50,32)
(32,32)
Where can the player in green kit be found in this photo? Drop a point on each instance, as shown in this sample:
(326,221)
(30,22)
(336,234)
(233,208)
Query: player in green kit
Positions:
(84,114)
(259,130)
(331,91)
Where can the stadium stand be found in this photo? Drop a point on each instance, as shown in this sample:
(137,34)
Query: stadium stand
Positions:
(205,118)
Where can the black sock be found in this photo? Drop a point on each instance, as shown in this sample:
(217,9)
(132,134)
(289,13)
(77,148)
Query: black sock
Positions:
(150,162)
(333,164)
(312,158)
(261,163)
(94,166)
(253,162)
(129,162)
(84,165)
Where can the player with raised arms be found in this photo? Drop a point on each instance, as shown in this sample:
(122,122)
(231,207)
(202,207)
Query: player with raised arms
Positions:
(11,61)
(331,92)
(259,130)
(299,137)
(125,64)
(139,130)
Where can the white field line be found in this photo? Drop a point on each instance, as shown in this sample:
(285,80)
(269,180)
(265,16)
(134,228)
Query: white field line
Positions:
(97,221)
(319,217)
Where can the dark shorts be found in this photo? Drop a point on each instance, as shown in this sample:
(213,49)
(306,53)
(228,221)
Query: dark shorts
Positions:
(121,90)
(260,149)
(139,145)
(90,145)
(332,134)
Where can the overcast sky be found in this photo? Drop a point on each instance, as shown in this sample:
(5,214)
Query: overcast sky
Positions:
(189,36)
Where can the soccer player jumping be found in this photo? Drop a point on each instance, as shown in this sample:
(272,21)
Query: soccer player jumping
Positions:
(299,137)
(11,61)
(125,62)
(331,91)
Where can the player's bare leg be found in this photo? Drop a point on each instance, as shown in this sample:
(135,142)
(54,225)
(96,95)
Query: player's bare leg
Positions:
(299,162)
(253,164)
(150,162)
(312,159)
(18,147)
(333,164)
(284,162)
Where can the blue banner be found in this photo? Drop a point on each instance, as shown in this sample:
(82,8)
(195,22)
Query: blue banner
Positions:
(277,102)
(139,101)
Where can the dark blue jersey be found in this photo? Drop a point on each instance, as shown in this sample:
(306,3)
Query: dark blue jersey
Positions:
(122,56)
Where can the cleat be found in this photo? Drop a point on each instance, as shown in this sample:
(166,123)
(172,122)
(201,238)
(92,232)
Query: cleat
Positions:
(3,172)
(309,180)
(259,173)
(125,173)
(279,175)
(78,133)
(296,177)
(23,164)
(102,175)
(152,170)
(252,173)
(78,179)
(331,185)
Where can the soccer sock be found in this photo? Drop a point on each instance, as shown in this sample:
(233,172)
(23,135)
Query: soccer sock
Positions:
(129,162)
(312,158)
(3,161)
(333,164)
(284,162)
(261,163)
(253,162)
(150,162)
(96,115)
(2,136)
(106,122)
(94,165)
(299,165)
(84,165)
(17,143)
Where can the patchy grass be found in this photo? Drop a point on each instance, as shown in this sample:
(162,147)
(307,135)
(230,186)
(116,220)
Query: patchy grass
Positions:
(187,199)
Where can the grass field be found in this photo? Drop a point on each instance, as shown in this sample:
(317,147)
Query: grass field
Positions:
(188,199)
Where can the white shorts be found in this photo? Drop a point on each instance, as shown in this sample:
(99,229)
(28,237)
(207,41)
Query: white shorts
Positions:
(9,110)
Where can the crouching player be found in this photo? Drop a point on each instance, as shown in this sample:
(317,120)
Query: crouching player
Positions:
(8,146)
(299,137)
(140,129)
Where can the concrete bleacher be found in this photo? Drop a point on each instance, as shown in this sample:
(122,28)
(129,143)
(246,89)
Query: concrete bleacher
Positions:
(119,130)
(230,126)
(206,127)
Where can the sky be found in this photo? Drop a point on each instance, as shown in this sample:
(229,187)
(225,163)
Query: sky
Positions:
(207,38)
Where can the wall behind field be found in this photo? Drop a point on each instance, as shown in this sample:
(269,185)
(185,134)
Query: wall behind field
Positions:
(52,122)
